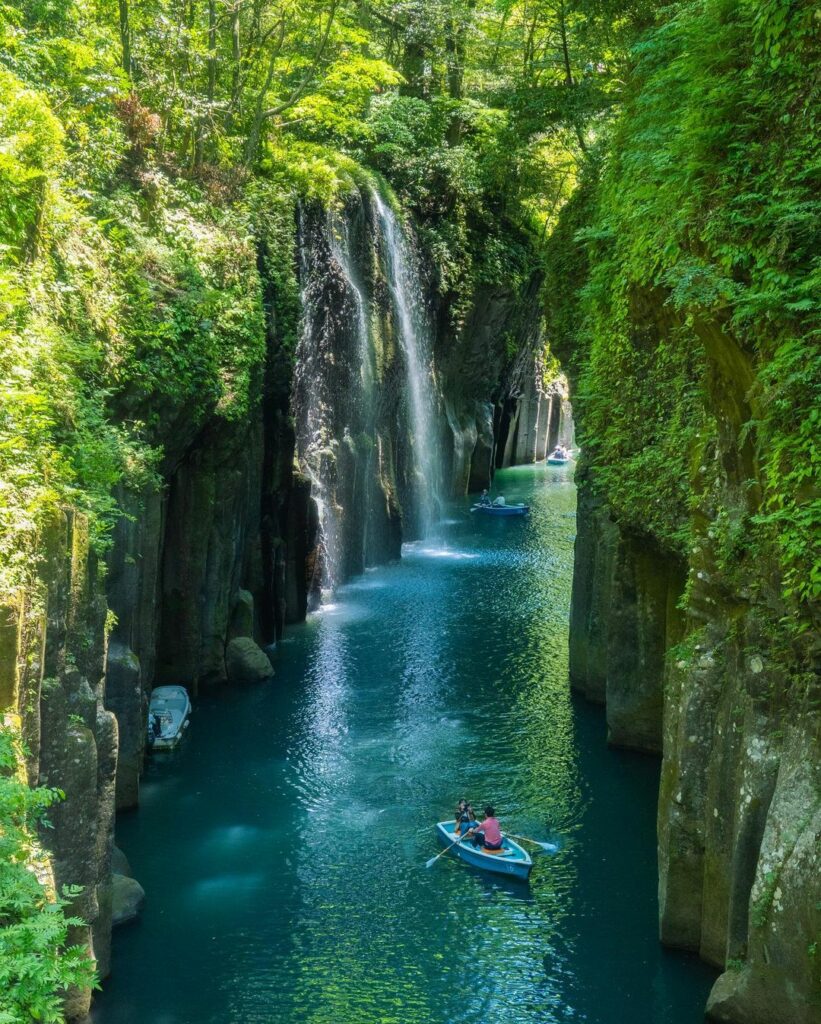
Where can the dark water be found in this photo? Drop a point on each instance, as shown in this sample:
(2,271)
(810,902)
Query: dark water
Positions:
(283,847)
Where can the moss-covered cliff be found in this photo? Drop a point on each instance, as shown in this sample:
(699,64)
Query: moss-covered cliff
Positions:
(692,336)
(178,191)
(154,505)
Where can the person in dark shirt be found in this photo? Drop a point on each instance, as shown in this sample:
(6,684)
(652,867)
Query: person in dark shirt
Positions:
(465,817)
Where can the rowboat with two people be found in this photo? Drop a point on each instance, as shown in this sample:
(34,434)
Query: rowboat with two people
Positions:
(560,456)
(498,507)
(510,859)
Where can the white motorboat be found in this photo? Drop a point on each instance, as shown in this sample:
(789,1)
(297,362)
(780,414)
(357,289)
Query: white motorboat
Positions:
(168,714)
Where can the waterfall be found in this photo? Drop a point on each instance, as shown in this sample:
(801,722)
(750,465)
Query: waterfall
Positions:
(363,405)
(363,394)
(315,441)
(415,338)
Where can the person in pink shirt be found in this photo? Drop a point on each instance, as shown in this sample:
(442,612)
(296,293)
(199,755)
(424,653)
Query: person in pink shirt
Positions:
(489,833)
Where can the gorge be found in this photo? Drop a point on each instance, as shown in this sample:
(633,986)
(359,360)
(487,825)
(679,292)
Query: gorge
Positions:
(279,290)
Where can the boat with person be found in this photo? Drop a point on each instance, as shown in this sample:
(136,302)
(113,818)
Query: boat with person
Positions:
(512,859)
(168,713)
(498,507)
(560,456)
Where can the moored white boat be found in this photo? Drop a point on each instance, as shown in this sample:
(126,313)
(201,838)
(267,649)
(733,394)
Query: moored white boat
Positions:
(511,860)
(168,714)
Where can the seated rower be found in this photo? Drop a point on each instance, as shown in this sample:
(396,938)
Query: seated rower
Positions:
(485,498)
(489,834)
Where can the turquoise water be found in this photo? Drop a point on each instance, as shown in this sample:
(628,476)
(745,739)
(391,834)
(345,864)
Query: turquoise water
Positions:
(283,846)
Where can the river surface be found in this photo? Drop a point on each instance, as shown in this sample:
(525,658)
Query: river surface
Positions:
(283,845)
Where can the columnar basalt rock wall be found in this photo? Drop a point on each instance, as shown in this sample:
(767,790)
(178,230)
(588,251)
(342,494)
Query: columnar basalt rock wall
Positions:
(54,661)
(491,402)
(213,550)
(691,659)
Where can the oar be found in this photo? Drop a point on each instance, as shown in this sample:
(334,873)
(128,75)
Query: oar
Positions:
(433,860)
(547,847)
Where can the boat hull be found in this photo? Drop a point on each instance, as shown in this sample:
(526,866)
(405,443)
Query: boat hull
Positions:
(501,511)
(518,865)
(173,707)
(558,462)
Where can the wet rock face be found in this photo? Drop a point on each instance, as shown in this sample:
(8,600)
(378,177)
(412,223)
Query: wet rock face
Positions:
(691,658)
(624,618)
(349,404)
(124,697)
(56,688)
(494,414)
(212,520)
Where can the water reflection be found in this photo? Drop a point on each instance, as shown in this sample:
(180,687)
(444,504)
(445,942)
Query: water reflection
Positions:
(298,892)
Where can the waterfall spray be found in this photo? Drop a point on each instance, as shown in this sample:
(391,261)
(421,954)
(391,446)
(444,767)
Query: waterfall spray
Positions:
(315,441)
(363,416)
(415,339)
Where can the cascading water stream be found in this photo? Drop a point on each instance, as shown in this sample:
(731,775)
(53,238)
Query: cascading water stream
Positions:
(337,395)
(313,429)
(414,335)
(365,409)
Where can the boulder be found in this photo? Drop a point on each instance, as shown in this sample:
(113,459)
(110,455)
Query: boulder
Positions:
(246,662)
(119,863)
(128,897)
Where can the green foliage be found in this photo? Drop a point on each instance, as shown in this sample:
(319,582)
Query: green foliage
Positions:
(118,311)
(700,234)
(32,142)
(36,963)
(274,217)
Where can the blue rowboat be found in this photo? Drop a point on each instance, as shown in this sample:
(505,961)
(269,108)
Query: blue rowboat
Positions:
(511,860)
(558,457)
(501,510)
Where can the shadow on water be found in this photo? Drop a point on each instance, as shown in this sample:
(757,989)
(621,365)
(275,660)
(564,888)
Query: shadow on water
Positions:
(283,847)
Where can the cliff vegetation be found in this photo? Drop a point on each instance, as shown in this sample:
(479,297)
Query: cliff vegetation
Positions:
(644,175)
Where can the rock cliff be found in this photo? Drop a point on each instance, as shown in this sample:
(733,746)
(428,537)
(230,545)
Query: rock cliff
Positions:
(693,654)
(229,541)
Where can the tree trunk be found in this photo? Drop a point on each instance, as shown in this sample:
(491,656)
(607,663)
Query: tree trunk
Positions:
(212,83)
(125,37)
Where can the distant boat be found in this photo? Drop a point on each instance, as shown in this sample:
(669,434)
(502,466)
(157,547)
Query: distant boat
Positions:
(501,510)
(510,860)
(558,457)
(167,716)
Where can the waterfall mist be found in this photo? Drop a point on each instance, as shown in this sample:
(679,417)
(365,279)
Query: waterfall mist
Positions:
(415,336)
(365,398)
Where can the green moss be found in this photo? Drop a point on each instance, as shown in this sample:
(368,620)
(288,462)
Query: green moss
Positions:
(692,315)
